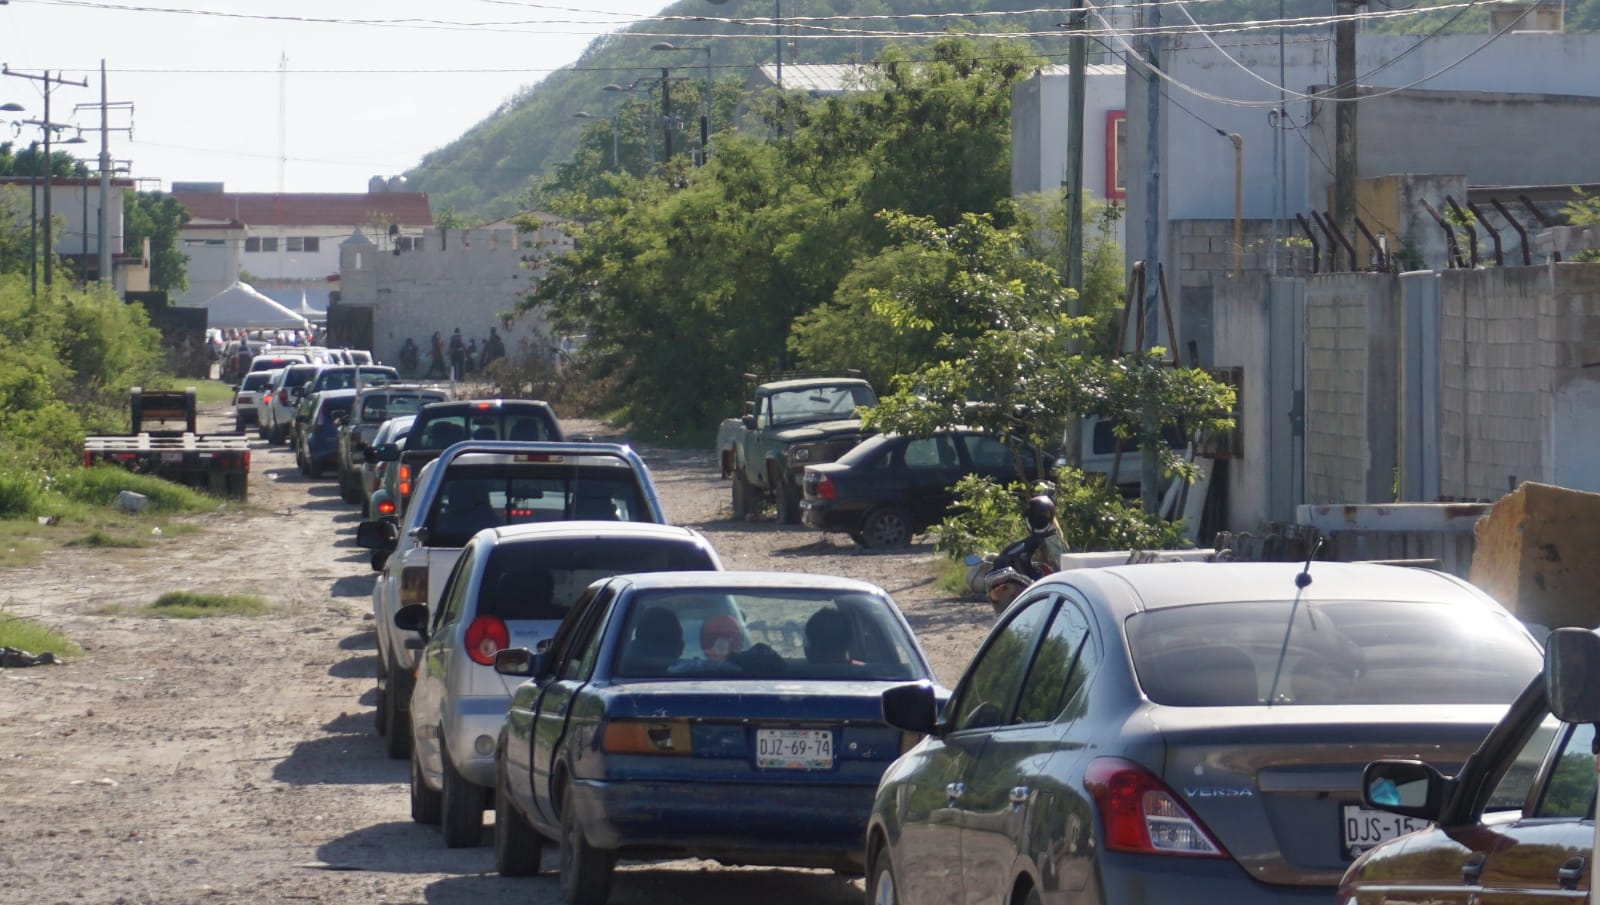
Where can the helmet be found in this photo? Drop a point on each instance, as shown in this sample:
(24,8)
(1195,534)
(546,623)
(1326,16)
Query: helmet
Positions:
(1041,512)
(1004,586)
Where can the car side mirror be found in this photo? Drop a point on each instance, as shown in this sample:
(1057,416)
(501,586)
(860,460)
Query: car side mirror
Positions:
(412,617)
(1409,788)
(1571,669)
(913,708)
(387,452)
(749,422)
(519,662)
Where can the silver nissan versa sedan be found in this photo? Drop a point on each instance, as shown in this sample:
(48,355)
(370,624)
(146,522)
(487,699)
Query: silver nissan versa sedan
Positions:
(1186,732)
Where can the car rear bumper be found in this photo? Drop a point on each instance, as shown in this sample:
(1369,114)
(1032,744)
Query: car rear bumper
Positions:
(1165,878)
(803,825)
(824,516)
(471,719)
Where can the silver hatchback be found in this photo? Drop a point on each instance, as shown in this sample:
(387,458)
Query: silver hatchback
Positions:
(510,588)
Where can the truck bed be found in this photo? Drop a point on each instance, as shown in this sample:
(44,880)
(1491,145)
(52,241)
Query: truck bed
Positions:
(218,465)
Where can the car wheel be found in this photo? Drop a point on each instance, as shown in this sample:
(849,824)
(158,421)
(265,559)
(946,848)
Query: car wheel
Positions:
(889,526)
(347,491)
(397,744)
(585,870)
(426,804)
(462,806)
(313,468)
(881,887)
(238,425)
(788,503)
(261,432)
(517,845)
(743,493)
(1032,898)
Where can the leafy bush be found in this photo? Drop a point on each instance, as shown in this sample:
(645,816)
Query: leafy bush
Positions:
(1092,515)
(21,493)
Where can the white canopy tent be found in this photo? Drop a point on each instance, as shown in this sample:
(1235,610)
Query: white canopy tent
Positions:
(240,305)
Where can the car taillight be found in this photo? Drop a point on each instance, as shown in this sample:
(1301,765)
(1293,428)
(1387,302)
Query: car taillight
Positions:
(646,737)
(825,488)
(386,507)
(486,636)
(1140,814)
(413,585)
(404,480)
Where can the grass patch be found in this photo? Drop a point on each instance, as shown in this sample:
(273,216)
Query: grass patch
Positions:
(191,605)
(952,578)
(99,487)
(100,539)
(18,549)
(25,634)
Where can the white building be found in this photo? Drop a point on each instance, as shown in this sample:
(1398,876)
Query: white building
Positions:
(1040,112)
(287,245)
(75,204)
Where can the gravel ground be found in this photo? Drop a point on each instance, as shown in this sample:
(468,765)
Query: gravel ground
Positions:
(234,760)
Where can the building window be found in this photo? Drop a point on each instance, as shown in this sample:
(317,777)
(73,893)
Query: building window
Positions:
(300,243)
(313,244)
(1116,154)
(261,243)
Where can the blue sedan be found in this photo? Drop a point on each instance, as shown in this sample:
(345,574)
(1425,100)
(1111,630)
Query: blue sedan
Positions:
(732,716)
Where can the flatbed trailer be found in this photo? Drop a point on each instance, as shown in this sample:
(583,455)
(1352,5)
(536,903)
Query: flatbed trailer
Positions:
(164,443)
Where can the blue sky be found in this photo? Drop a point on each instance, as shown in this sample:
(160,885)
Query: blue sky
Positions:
(210,103)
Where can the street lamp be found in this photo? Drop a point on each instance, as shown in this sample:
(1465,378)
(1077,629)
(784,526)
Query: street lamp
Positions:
(650,135)
(705,113)
(615,162)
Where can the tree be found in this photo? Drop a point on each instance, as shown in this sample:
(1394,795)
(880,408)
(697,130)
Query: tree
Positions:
(158,218)
(1005,362)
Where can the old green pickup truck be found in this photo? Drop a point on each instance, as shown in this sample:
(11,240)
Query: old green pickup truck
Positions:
(791,420)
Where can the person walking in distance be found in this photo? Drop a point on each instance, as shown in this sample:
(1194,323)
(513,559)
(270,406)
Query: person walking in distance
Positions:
(458,355)
(435,357)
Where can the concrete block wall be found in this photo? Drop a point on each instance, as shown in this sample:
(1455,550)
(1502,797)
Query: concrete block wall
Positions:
(1204,266)
(1494,380)
(471,279)
(1351,388)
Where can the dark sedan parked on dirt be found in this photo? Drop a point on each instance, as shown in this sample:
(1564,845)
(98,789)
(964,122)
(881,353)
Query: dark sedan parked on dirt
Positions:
(890,488)
(1187,732)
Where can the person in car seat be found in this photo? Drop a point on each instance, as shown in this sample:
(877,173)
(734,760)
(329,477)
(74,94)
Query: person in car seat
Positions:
(658,635)
(828,637)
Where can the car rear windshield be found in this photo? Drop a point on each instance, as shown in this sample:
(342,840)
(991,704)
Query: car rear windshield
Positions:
(297,375)
(475,497)
(1337,652)
(256,380)
(441,431)
(331,407)
(344,378)
(540,579)
(756,633)
(383,406)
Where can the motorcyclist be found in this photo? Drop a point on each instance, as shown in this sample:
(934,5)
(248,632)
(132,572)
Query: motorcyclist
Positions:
(1029,559)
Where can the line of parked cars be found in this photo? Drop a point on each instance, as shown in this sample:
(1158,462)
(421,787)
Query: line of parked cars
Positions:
(551,651)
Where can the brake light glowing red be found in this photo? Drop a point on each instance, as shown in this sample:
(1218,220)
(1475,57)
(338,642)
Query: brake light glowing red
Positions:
(404,480)
(386,507)
(486,636)
(1141,814)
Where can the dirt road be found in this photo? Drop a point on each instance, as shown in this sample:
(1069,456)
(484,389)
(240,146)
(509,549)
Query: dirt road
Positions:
(234,760)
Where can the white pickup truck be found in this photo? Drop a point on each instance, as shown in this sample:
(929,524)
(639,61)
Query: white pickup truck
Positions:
(471,486)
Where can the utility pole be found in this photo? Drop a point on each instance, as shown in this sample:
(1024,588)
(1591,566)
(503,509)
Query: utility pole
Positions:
(666,114)
(1344,141)
(107,276)
(50,81)
(1150,473)
(1077,61)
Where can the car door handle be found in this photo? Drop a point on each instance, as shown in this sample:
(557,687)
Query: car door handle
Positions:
(1571,872)
(1473,867)
(1019,796)
(952,792)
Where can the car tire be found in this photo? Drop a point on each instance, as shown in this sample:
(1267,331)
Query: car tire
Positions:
(347,490)
(788,503)
(397,743)
(888,526)
(518,847)
(461,814)
(238,425)
(743,496)
(585,870)
(881,886)
(427,806)
(313,469)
